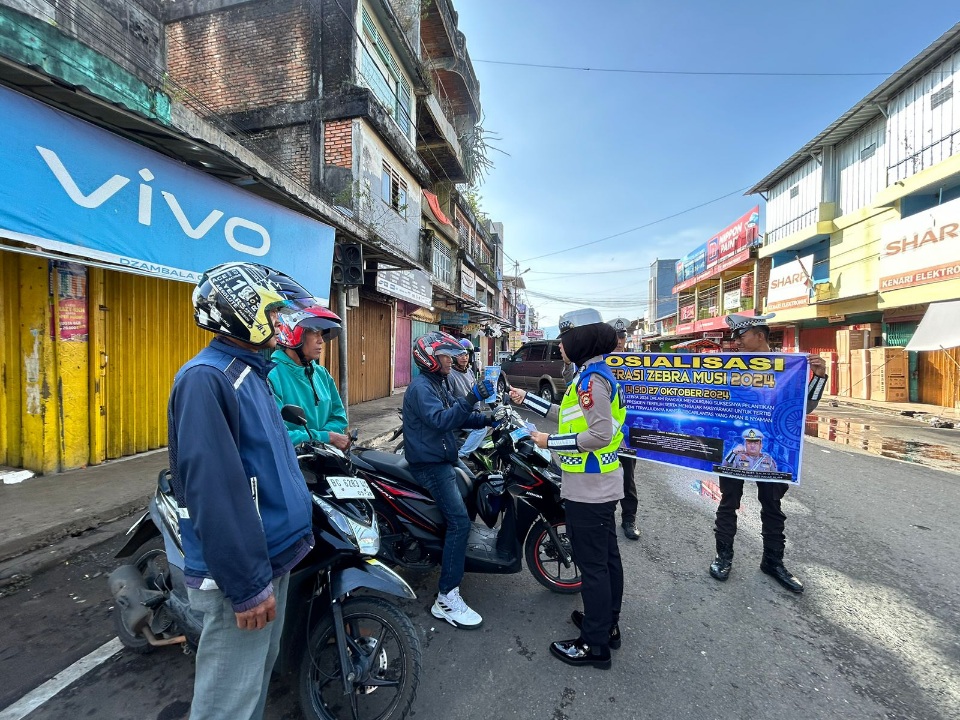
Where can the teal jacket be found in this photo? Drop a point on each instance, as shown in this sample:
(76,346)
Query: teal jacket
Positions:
(319,399)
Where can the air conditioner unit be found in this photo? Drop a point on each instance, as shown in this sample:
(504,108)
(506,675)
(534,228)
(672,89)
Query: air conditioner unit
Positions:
(353,297)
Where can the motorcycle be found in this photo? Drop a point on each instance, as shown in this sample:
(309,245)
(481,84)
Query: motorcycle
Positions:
(351,654)
(520,508)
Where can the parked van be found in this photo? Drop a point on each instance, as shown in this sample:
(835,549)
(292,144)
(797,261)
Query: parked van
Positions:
(536,367)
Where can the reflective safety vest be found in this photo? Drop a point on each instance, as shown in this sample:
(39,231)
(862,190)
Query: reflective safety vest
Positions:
(572,420)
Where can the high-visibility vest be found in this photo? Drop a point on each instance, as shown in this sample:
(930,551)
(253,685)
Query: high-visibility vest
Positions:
(572,420)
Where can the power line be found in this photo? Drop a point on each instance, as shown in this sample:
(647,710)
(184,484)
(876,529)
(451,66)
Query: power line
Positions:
(713,73)
(639,227)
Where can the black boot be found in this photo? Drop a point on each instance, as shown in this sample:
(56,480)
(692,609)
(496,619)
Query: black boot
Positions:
(723,562)
(615,640)
(577,653)
(772,565)
(630,531)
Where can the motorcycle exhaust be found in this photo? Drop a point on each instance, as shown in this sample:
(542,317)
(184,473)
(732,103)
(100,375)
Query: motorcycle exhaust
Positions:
(136,602)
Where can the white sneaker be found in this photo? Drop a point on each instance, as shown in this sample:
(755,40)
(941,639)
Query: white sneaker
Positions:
(454,610)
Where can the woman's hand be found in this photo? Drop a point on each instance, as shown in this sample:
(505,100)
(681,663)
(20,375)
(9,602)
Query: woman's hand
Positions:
(540,438)
(517,396)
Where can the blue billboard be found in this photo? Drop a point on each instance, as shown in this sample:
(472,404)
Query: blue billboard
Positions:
(733,414)
(73,188)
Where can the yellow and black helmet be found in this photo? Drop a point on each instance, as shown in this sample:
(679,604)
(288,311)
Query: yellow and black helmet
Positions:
(235,299)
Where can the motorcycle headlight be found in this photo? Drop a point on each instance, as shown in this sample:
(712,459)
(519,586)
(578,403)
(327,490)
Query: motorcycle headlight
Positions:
(363,533)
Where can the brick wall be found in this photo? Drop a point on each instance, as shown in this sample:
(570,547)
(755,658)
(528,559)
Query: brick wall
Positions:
(338,143)
(290,148)
(252,56)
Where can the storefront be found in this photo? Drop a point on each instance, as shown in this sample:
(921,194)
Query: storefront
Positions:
(101,244)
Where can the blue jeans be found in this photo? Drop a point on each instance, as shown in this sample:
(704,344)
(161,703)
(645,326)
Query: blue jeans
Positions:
(233,665)
(441,480)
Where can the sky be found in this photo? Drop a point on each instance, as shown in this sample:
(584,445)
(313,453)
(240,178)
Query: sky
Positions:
(584,155)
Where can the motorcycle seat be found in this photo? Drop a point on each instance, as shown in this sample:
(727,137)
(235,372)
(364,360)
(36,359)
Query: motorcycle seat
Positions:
(396,466)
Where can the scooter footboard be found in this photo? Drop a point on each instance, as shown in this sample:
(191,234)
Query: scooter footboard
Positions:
(371,574)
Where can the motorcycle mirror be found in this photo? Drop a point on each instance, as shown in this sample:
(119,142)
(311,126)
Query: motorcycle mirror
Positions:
(294,415)
(354,435)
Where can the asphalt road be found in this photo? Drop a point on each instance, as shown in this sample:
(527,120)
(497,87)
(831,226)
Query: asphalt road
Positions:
(876,635)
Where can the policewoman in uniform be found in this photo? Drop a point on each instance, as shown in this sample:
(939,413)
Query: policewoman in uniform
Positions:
(590,417)
(751,334)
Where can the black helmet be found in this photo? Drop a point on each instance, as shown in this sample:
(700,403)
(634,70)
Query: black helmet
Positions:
(234,299)
(428,347)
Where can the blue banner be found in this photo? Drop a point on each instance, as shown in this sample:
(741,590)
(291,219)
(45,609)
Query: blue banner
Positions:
(74,188)
(734,414)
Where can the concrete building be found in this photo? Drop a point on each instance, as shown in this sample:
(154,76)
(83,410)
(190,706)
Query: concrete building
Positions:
(861,222)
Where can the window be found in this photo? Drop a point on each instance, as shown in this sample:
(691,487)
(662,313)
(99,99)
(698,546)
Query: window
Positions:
(869,151)
(794,191)
(537,352)
(521,355)
(555,352)
(381,73)
(393,189)
(442,263)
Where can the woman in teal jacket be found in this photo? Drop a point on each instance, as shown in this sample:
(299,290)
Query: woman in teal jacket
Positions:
(299,379)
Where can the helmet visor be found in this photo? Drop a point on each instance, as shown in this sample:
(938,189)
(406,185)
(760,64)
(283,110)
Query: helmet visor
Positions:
(301,314)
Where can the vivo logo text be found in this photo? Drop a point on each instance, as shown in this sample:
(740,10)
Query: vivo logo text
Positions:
(145,206)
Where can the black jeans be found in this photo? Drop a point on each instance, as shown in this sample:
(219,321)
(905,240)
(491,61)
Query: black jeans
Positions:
(593,536)
(771,516)
(629,504)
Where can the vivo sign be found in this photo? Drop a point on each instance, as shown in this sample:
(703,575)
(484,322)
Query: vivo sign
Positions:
(68,186)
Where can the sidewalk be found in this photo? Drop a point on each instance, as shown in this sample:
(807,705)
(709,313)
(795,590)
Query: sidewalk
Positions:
(896,408)
(44,511)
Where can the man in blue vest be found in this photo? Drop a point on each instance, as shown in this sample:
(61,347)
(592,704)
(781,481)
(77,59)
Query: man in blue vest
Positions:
(591,415)
(752,335)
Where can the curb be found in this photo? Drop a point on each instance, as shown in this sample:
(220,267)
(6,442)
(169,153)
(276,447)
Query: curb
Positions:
(841,402)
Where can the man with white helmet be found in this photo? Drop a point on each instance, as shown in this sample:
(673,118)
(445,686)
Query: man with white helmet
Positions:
(752,334)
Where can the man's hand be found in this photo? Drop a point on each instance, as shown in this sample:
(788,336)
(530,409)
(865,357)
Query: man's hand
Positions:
(256,618)
(540,438)
(817,365)
(340,441)
(483,389)
(517,396)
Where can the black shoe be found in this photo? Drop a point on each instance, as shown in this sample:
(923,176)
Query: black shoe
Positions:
(630,530)
(723,562)
(776,570)
(615,640)
(578,653)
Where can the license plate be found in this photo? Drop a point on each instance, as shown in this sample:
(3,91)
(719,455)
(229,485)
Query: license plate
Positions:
(349,488)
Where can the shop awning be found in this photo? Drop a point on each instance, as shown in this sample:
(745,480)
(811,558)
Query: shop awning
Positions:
(939,328)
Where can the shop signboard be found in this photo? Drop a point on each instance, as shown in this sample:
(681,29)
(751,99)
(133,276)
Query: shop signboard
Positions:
(731,414)
(921,249)
(790,284)
(457,319)
(731,300)
(70,187)
(410,285)
(728,248)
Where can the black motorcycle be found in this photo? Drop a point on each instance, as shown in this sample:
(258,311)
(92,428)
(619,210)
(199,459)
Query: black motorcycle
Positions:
(354,655)
(521,510)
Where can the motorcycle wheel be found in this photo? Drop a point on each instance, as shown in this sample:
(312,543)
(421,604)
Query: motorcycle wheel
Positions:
(385,655)
(543,559)
(151,561)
